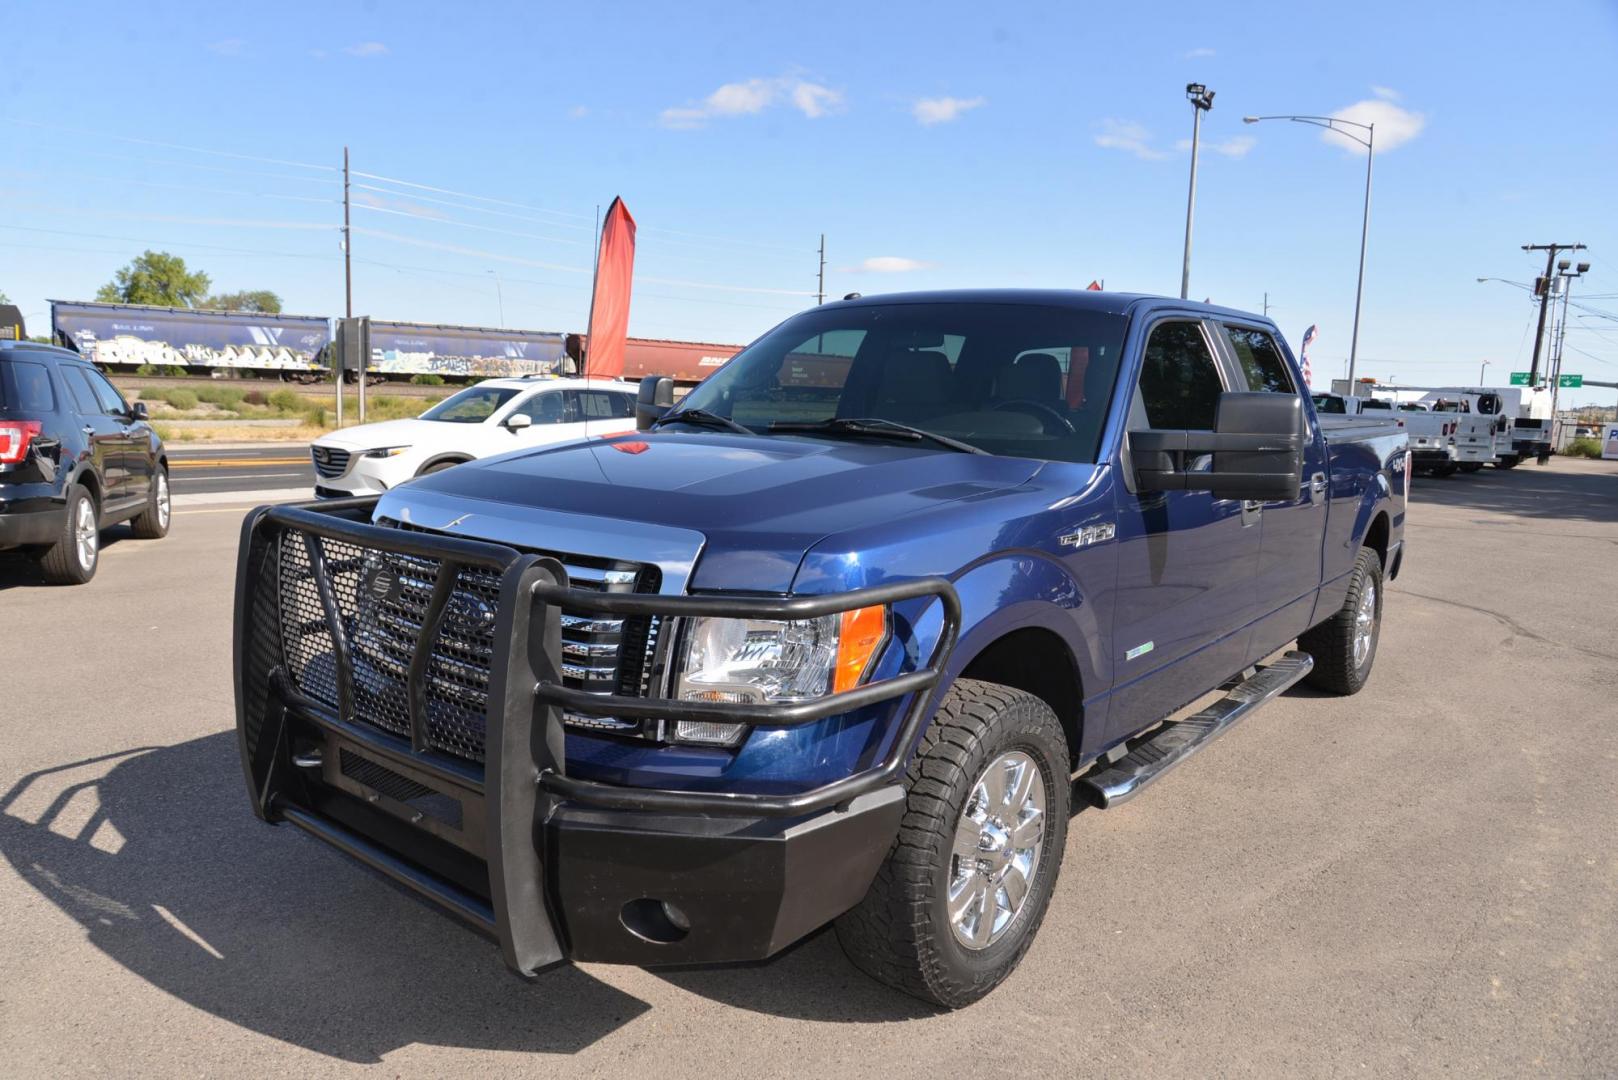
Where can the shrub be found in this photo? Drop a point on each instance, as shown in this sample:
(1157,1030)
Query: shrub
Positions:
(182,400)
(225,397)
(317,416)
(285,401)
(427,379)
(175,370)
(255,397)
(1590,448)
(146,369)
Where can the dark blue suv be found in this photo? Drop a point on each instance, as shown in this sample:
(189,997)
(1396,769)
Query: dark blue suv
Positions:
(75,457)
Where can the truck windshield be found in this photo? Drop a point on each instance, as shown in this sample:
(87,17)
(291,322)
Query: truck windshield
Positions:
(1019,380)
(473,405)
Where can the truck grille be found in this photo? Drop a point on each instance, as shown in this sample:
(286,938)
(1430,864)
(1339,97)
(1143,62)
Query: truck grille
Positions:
(330,462)
(382,599)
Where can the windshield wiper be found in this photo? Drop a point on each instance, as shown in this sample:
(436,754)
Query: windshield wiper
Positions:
(703,418)
(872,426)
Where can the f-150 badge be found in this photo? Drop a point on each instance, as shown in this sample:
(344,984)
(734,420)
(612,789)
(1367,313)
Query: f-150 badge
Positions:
(1090,534)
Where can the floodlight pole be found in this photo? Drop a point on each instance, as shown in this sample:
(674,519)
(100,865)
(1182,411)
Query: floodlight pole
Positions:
(1201,99)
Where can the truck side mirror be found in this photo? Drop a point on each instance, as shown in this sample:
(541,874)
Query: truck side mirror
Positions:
(655,397)
(137,411)
(1257,448)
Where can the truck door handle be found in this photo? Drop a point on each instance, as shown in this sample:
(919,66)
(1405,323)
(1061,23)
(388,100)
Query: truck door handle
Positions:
(88,430)
(1317,483)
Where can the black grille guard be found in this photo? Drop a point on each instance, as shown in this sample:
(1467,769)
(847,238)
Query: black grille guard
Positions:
(526,696)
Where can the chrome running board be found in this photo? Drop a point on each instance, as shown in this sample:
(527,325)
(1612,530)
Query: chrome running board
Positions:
(1177,740)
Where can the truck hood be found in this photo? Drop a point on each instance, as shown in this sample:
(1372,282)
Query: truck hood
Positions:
(743,509)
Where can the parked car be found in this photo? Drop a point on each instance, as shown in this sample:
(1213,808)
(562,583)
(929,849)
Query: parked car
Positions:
(494,417)
(826,642)
(75,458)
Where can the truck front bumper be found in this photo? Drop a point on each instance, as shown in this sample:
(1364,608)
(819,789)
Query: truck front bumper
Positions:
(551,866)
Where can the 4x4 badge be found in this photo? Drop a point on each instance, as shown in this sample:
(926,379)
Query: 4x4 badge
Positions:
(1090,534)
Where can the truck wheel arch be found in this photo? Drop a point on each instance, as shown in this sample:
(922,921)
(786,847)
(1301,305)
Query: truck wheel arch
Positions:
(1376,537)
(1036,660)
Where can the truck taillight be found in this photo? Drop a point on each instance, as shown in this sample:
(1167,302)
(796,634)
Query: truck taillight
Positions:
(15,435)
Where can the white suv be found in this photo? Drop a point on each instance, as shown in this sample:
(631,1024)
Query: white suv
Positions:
(493,417)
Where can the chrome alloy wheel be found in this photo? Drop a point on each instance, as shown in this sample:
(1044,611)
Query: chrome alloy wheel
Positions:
(163,508)
(86,537)
(997,849)
(1364,623)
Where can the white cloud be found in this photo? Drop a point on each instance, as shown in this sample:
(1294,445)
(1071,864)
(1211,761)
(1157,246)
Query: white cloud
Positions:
(1386,93)
(227,46)
(1395,126)
(1236,146)
(885,264)
(1199,53)
(941,110)
(754,96)
(367,48)
(1130,137)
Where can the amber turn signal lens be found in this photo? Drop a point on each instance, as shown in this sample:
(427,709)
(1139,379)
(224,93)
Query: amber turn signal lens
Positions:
(860,636)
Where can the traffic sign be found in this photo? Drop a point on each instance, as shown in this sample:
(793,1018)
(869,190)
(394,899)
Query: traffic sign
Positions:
(1565,381)
(1519,378)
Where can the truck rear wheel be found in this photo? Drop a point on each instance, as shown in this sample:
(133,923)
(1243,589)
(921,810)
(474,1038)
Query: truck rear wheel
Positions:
(967,882)
(1507,461)
(1344,646)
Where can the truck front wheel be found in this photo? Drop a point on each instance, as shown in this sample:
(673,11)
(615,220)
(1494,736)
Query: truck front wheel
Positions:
(1344,646)
(967,882)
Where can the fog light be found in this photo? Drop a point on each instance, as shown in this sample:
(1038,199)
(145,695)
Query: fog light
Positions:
(708,733)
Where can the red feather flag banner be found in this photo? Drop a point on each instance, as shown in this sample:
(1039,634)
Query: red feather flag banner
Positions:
(609,302)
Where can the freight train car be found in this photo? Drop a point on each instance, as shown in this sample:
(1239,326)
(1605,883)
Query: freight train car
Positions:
(125,337)
(687,362)
(400,350)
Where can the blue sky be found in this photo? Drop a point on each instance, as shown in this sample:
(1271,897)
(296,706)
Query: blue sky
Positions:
(936,145)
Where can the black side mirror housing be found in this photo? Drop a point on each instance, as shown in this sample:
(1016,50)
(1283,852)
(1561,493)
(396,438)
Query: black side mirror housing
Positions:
(655,397)
(1257,447)
(137,411)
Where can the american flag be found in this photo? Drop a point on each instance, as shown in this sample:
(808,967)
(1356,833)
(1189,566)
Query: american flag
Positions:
(1309,336)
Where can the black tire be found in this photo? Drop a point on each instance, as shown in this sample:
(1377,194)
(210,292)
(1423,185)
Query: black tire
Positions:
(1331,643)
(1447,470)
(61,563)
(153,522)
(440,466)
(1471,466)
(900,933)
(1507,462)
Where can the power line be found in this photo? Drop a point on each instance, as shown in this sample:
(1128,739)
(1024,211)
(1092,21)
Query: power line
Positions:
(466,224)
(164,243)
(171,146)
(179,219)
(195,188)
(467,195)
(200,166)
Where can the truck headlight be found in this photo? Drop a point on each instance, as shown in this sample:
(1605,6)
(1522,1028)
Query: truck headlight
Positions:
(385,452)
(770,660)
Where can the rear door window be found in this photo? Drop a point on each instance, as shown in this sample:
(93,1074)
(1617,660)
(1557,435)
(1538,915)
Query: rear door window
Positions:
(84,398)
(549,407)
(1179,381)
(26,387)
(1260,360)
(112,402)
(604,405)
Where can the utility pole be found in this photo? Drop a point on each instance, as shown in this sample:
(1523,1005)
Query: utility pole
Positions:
(820,286)
(348,287)
(1266,305)
(1550,251)
(1201,99)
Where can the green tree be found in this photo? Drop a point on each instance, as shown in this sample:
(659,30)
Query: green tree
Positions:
(262,300)
(156,277)
(4,299)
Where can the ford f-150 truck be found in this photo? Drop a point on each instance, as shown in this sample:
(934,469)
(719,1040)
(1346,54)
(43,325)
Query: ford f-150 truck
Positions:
(829,641)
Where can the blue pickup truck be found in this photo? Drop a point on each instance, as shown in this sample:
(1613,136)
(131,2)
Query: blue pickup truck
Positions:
(838,638)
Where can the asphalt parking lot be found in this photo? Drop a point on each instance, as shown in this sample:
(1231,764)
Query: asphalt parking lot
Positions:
(1419,879)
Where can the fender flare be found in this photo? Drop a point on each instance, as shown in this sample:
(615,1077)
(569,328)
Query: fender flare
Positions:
(454,456)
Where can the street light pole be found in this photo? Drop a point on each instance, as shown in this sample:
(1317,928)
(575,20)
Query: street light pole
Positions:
(1337,124)
(1480,373)
(1201,99)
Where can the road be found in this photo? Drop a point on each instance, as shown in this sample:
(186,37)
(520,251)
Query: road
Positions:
(1419,880)
(205,470)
